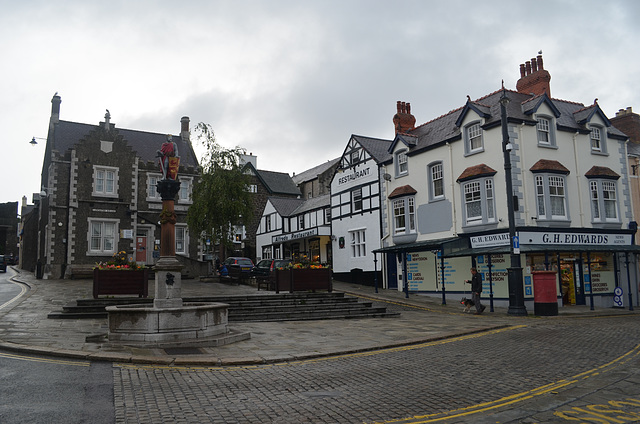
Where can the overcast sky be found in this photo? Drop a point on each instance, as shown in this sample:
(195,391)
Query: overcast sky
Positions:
(290,81)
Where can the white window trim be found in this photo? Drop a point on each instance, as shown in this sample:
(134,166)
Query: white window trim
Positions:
(467,138)
(599,215)
(546,197)
(189,182)
(358,243)
(601,149)
(103,192)
(185,251)
(549,130)
(430,170)
(116,237)
(487,202)
(401,158)
(156,196)
(407,206)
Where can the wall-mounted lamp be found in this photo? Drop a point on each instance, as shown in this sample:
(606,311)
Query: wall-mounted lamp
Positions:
(33,141)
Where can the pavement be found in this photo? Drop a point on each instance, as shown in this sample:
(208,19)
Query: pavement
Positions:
(25,328)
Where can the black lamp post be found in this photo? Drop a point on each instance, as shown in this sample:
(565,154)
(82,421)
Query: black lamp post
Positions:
(516,292)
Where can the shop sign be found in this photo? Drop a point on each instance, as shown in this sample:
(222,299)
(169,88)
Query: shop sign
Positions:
(355,175)
(294,236)
(601,239)
(490,240)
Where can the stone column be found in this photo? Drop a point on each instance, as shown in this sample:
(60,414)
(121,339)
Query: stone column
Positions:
(168,268)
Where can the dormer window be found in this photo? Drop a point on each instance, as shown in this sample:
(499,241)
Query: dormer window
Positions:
(402,164)
(473,139)
(596,141)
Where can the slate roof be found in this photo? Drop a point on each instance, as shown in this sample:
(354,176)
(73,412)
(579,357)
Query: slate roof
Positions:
(314,203)
(278,182)
(285,205)
(376,147)
(520,109)
(67,134)
(313,173)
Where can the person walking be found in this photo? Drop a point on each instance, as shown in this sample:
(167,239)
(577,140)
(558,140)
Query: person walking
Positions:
(476,289)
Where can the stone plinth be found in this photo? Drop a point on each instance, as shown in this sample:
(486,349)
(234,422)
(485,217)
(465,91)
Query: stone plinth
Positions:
(192,324)
(168,291)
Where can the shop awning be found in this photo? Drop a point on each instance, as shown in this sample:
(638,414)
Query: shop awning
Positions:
(541,248)
(420,246)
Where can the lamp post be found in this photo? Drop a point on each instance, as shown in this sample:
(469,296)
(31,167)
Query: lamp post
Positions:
(516,292)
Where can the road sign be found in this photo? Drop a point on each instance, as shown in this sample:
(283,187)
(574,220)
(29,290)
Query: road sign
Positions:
(516,245)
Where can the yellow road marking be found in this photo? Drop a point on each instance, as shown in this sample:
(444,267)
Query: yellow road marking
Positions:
(23,290)
(331,358)
(44,360)
(519,397)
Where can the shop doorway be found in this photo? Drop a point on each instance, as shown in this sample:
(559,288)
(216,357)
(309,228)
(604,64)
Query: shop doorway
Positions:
(572,282)
(392,271)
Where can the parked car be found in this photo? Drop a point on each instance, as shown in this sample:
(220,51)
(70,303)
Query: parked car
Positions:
(264,271)
(3,263)
(238,268)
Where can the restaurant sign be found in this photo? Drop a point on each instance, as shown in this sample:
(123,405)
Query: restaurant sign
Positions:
(294,236)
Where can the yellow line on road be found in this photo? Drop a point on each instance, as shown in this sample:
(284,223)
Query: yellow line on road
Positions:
(23,290)
(44,360)
(519,397)
(335,357)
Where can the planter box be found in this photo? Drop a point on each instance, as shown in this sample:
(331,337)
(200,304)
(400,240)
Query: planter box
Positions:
(106,281)
(303,280)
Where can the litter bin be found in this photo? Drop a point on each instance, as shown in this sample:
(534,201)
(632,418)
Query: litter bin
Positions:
(545,294)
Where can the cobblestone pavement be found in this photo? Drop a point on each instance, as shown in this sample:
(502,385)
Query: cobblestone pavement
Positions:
(497,376)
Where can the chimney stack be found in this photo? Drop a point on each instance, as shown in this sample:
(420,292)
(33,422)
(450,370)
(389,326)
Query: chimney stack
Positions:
(629,123)
(403,120)
(184,129)
(55,108)
(533,78)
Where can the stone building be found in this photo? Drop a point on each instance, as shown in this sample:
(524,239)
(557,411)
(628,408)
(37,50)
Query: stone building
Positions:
(99,197)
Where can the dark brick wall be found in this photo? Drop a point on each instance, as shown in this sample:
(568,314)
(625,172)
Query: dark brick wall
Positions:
(629,123)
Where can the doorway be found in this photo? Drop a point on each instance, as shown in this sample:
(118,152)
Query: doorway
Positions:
(572,282)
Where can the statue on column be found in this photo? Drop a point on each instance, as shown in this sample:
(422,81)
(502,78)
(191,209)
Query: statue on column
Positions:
(169,159)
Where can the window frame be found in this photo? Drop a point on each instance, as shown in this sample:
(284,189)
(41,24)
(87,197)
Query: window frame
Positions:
(468,139)
(599,202)
(185,239)
(404,213)
(545,211)
(152,191)
(356,199)
(431,170)
(401,161)
(113,224)
(104,192)
(549,131)
(358,243)
(186,183)
(485,199)
(601,149)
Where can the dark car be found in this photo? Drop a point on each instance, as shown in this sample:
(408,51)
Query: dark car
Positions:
(264,271)
(3,263)
(238,268)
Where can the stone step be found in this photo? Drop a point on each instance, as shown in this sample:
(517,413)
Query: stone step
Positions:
(265,307)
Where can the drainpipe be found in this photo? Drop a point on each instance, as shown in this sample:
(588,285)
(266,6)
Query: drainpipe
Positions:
(453,197)
(575,155)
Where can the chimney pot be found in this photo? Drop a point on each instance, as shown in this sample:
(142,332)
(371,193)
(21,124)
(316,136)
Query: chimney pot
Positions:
(522,74)
(534,65)
(399,105)
(540,66)
(528,67)
(408,107)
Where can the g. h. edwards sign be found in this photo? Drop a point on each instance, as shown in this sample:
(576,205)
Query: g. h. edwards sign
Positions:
(531,237)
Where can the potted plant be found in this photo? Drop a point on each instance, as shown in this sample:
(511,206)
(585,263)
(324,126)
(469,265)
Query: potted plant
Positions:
(304,276)
(120,275)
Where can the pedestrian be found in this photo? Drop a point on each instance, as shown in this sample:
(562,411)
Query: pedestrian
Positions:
(476,289)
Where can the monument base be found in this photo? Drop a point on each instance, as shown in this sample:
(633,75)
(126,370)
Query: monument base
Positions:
(192,324)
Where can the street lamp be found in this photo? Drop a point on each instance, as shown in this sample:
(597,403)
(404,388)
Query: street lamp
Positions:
(516,292)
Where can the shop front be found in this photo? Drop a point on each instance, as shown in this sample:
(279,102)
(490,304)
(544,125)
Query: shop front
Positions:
(312,245)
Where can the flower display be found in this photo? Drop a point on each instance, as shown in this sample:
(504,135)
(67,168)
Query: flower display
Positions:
(120,261)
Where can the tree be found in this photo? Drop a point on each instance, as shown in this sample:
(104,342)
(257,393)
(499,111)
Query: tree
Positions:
(221,198)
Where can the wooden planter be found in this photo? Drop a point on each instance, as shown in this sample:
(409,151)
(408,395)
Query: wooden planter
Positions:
(303,280)
(108,281)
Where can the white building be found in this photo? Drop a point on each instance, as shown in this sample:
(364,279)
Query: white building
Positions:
(447,202)
(356,223)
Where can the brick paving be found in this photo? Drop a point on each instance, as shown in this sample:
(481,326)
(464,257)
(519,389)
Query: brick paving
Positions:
(431,360)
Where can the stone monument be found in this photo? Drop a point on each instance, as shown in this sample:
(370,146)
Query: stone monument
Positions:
(170,322)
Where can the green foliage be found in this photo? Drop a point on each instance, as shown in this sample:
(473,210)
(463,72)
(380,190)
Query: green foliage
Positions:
(220,198)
